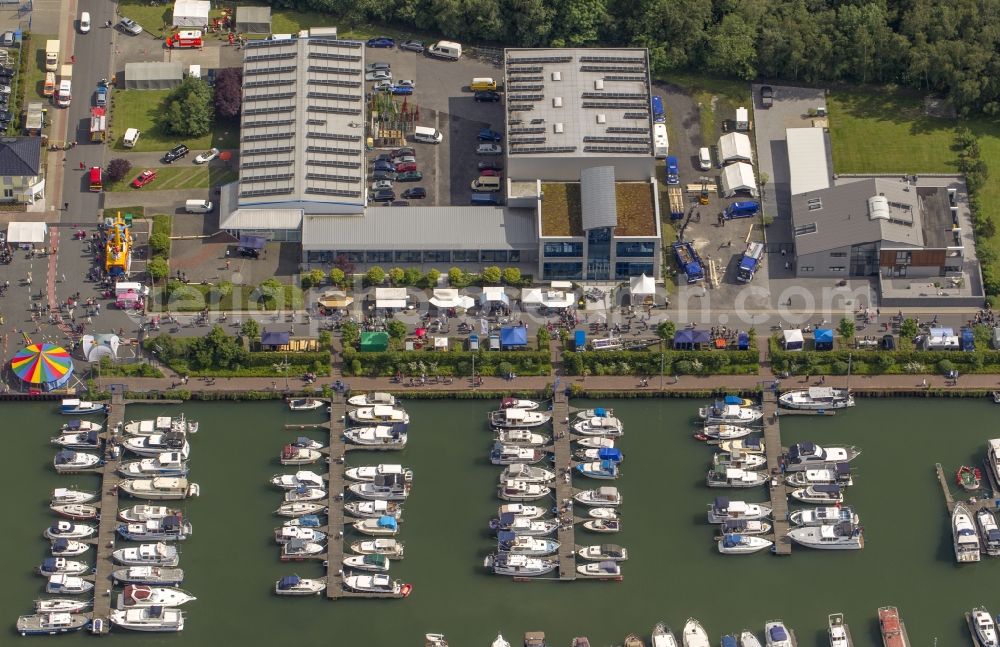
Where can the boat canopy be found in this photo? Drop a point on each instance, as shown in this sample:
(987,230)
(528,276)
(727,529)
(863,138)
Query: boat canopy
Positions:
(506,537)
(288,582)
(387,522)
(778,633)
(611,550)
(729,641)
(734,525)
(608,566)
(610,454)
(376,560)
(607,492)
(73,425)
(732,541)
(62,544)
(92,437)
(601,412)
(303,441)
(507,518)
(842,469)
(830,489)
(721,503)
(993,536)
(608,466)
(49,564)
(733,399)
(65,456)
(804,450)
(173,523)
(296,545)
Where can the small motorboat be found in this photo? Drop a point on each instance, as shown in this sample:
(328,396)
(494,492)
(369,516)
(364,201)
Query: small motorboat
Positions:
(172,441)
(609,514)
(731,544)
(500,641)
(748,445)
(78,440)
(607,569)
(595,442)
(388,487)
(966,539)
(606,469)
(139,595)
(601,552)
(164,464)
(62,605)
(435,640)
(68,461)
(305,521)
(379,435)
(732,477)
(522,510)
(158,619)
(172,528)
(515,403)
(723,432)
(60,584)
(375,563)
(633,640)
(513,418)
(305,404)
(159,488)
(158,554)
(141,513)
(379,415)
(525,545)
(292,455)
(969,478)
(522,491)
(984,628)
(596,412)
(662,636)
(71,495)
(522,437)
(370,472)
(817,398)
(381,527)
(839,536)
(299,508)
(391,548)
(304,494)
(838,632)
(527,473)
(729,411)
(68,548)
(603,525)
(524,525)
(520,565)
(809,455)
(80,426)
(295,585)
(68,530)
(75,511)
(738,459)
(61,565)
(609,426)
(372,400)
(749,639)
(299,549)
(599,497)
(307,443)
(745,527)
(502,454)
(822,515)
(840,473)
(819,494)
(374,509)
(378,583)
(302,477)
(50,624)
(776,634)
(694,635)
(602,454)
(989,531)
(77,407)
(152,575)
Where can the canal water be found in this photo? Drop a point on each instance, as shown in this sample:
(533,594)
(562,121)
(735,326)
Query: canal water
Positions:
(673,572)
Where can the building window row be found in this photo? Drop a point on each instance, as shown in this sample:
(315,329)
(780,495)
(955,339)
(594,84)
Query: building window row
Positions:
(563,271)
(418,256)
(635,249)
(627,270)
(563,249)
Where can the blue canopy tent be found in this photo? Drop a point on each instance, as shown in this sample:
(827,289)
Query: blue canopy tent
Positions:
(580,340)
(743,341)
(691,339)
(252,242)
(823,339)
(513,337)
(274,340)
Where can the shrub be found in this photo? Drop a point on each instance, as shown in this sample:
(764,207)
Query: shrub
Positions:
(490,275)
(945,366)
(432,277)
(313,278)
(683,367)
(375,275)
(839,368)
(458,278)
(338,277)
(396,276)
(512,276)
(158,269)
(117,169)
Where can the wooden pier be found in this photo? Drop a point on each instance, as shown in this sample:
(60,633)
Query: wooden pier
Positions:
(561,438)
(949,499)
(335,501)
(109,512)
(778,489)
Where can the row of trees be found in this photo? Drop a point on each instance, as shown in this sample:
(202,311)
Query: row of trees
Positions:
(947,46)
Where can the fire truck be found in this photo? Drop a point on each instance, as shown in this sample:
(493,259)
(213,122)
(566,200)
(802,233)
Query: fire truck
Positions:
(185,39)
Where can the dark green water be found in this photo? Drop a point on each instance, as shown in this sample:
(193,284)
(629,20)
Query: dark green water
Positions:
(673,572)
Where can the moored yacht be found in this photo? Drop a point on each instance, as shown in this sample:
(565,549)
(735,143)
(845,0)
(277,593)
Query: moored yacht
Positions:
(297,550)
(524,525)
(838,632)
(163,464)
(839,473)
(839,536)
(522,491)
(605,469)
(159,619)
(294,455)
(749,639)
(745,527)
(513,418)
(502,454)
(809,455)
(749,445)
(993,457)
(515,403)
(68,548)
(602,454)
(60,584)
(738,459)
(602,497)
(302,477)
(966,539)
(603,525)
(662,636)
(63,566)
(379,435)
(723,509)
(694,635)
(822,515)
(62,605)
(71,495)
(160,425)
(595,442)
(172,528)
(742,544)
(389,487)
(304,494)
(892,627)
(378,583)
(172,441)
(372,400)
(142,512)
(522,510)
(285,534)
(305,404)
(369,472)
(817,398)
(527,473)
(388,546)
(522,437)
(77,407)
(989,531)
(732,477)
(381,527)
(374,563)
(80,426)
(140,595)
(732,410)
(295,585)
(520,565)
(526,545)
(374,509)
(599,426)
(299,508)
(158,554)
(75,511)
(68,461)
(159,488)
(152,575)
(818,494)
(984,629)
(723,432)
(379,415)
(50,624)
(68,530)
(78,440)
(602,552)
(605,569)
(776,634)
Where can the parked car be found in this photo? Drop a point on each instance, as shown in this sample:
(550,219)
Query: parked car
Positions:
(175,153)
(382,195)
(488,172)
(490,165)
(378,75)
(384,175)
(384,85)
(766,96)
(412,46)
(403,159)
(8,39)
(383,157)
(401,89)
(381,41)
(704,159)
(489,135)
(380,185)
(371,67)
(406,150)
(415,193)
(129,26)
(101,96)
(383,166)
(405,167)
(144,178)
(486,95)
(489,149)
(406,83)
(207,156)
(409,176)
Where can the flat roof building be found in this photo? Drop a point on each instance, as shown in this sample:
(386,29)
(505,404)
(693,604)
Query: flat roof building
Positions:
(809,163)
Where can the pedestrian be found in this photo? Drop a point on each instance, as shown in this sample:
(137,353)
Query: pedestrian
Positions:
(65,206)
(227,264)
(63,278)
(82,166)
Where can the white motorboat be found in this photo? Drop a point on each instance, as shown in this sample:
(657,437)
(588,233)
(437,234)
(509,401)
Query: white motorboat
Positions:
(77,407)
(524,525)
(749,445)
(662,636)
(60,584)
(601,552)
(172,441)
(723,432)
(67,461)
(984,628)
(732,410)
(299,508)
(526,545)
(379,415)
(375,399)
(53,565)
(295,585)
(152,575)
(159,619)
(502,454)
(731,544)
(694,634)
(840,473)
(520,565)
(80,426)
(374,509)
(389,487)
(739,459)
(297,550)
(515,403)
(731,477)
(609,514)
(62,605)
(75,511)
(599,454)
(381,527)
(374,563)
(285,534)
(136,596)
(370,472)
(158,554)
(68,548)
(300,478)
(391,548)
(822,515)
(304,494)
(435,640)
(522,510)
(966,539)
(819,494)
(817,398)
(745,527)
(379,435)
(293,455)
(606,569)
(596,412)
(993,457)
(603,525)
(69,530)
(71,495)
(50,624)
(78,440)
(159,488)
(749,639)
(839,536)
(599,497)
(776,634)
(595,442)
(610,427)
(141,513)
(307,443)
(809,455)
(838,632)
(513,418)
(527,473)
(378,583)
(160,425)
(989,531)
(522,437)
(522,491)
(305,404)
(164,464)
(500,641)
(172,528)
(605,469)
(305,521)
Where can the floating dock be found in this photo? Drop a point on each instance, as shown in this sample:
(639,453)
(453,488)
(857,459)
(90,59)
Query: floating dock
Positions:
(777,487)
(109,512)
(561,438)
(335,500)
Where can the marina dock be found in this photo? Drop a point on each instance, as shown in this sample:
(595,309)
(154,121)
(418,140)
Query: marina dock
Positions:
(778,490)
(109,512)
(335,500)
(561,438)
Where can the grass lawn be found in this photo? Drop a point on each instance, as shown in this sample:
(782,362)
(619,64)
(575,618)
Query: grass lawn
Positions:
(199,176)
(142,108)
(34,69)
(291,22)
(156,19)
(195,297)
(718,99)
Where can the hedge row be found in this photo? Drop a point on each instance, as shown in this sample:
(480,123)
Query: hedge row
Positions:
(451,363)
(730,362)
(882,362)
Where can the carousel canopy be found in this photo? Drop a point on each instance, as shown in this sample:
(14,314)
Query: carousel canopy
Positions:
(335,299)
(45,365)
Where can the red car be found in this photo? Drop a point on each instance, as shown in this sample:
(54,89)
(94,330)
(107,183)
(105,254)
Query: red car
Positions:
(489,172)
(403,167)
(144,178)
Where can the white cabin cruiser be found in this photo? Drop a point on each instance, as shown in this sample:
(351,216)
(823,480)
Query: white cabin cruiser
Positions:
(749,445)
(694,635)
(76,511)
(369,472)
(723,432)
(172,441)
(515,403)
(526,545)
(966,539)
(527,473)
(603,525)
(372,400)
(69,530)
(296,550)
(172,528)
(304,494)
(605,569)
(152,575)
(379,435)
(136,596)
(732,410)
(817,398)
(776,634)
(391,548)
(601,552)
(386,526)
(819,494)
(501,454)
(520,565)
(78,440)
(378,583)
(80,426)
(839,473)
(984,627)
(989,531)
(163,464)
(839,536)
(522,491)
(522,510)
(822,515)
(379,415)
(745,527)
(53,565)
(142,512)
(595,442)
(158,554)
(62,605)
(68,585)
(71,495)
(739,459)
(159,619)
(599,497)
(77,407)
(522,437)
(50,624)
(838,632)
(302,477)
(608,426)
(305,404)
(299,508)
(662,636)
(609,514)
(524,525)
(513,418)
(389,487)
(809,455)
(731,477)
(68,548)
(993,457)
(373,563)
(731,544)
(67,461)
(295,585)
(374,509)
(160,425)
(159,488)
(293,455)
(285,534)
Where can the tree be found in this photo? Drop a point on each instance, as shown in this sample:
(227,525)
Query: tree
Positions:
(117,169)
(908,329)
(396,329)
(396,276)
(250,329)
(665,330)
(338,277)
(412,276)
(375,275)
(189,109)
(846,329)
(512,276)
(228,92)
(312,278)
(159,244)
(732,48)
(432,277)
(490,275)
(458,278)
(158,269)
(324,339)
(350,334)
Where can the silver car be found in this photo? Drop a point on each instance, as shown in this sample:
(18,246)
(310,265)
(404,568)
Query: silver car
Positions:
(489,149)
(378,75)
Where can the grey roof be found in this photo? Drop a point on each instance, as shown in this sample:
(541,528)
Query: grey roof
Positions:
(808,159)
(423,228)
(302,125)
(598,202)
(253,14)
(258,218)
(153,71)
(578,102)
(20,156)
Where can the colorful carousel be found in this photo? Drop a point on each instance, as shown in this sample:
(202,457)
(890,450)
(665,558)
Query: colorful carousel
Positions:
(44,366)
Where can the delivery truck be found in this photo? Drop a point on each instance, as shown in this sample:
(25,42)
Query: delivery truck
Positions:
(750,263)
(675,198)
(51,55)
(688,261)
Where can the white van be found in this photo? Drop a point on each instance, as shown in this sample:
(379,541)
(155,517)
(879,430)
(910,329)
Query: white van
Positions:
(704,159)
(124,287)
(486,183)
(198,206)
(427,135)
(131,137)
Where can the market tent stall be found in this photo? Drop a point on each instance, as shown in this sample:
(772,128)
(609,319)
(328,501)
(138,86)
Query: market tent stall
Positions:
(43,365)
(642,285)
(532,295)
(735,147)
(557,299)
(450,298)
(374,342)
(153,75)
(823,339)
(792,339)
(737,178)
(253,20)
(335,299)
(493,295)
(691,339)
(95,347)
(513,337)
(274,340)
(394,298)
(27,232)
(191,13)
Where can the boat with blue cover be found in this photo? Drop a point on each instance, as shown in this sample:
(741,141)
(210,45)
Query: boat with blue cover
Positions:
(295,585)
(68,548)
(305,521)
(53,565)
(78,440)
(67,461)
(606,469)
(732,544)
(170,528)
(385,526)
(60,584)
(603,454)
(77,407)
(732,409)
(729,640)
(776,634)
(596,412)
